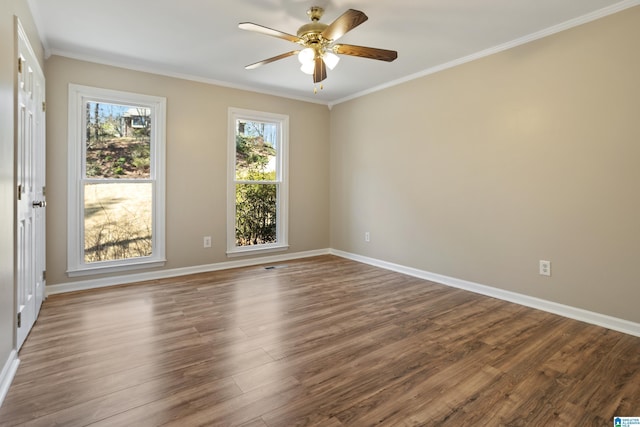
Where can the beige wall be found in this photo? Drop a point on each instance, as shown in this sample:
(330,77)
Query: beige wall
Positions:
(479,171)
(9,9)
(196,161)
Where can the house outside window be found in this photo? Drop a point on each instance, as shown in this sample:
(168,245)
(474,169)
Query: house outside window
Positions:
(116,182)
(257,182)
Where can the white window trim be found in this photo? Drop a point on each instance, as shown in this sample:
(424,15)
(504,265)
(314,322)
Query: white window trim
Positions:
(78,95)
(282,178)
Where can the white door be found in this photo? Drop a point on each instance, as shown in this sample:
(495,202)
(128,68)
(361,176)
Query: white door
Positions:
(30,177)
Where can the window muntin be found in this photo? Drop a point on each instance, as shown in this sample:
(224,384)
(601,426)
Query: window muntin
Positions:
(116,180)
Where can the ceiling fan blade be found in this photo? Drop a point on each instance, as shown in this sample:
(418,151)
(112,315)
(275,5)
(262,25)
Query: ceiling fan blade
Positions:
(250,26)
(319,71)
(272,59)
(366,52)
(343,24)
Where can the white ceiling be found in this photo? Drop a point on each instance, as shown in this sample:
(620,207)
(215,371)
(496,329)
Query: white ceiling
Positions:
(200,39)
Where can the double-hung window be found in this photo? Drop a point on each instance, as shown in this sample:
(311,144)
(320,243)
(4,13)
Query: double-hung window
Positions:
(116,183)
(257,190)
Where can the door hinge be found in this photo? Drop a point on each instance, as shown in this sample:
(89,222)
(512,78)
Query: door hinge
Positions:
(44,275)
(44,106)
(19,319)
(19,65)
(19,191)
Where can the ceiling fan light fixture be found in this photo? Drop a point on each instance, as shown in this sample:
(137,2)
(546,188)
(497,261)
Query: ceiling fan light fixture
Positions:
(331,59)
(308,67)
(306,56)
(316,39)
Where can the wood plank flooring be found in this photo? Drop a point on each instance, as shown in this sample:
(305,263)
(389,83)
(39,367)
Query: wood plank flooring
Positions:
(321,341)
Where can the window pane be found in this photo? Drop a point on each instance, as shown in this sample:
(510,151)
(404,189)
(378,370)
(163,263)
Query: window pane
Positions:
(256,214)
(117,221)
(256,144)
(117,141)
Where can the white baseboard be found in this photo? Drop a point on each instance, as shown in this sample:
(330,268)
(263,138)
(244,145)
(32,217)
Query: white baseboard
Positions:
(8,372)
(175,272)
(591,317)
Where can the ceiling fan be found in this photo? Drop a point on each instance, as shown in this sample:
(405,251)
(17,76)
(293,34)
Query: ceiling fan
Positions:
(318,43)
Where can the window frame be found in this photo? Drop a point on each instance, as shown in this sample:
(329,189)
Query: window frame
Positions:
(78,96)
(282,181)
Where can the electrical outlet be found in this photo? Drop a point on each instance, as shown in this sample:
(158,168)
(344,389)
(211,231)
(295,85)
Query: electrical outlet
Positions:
(545,268)
(367,236)
(207,241)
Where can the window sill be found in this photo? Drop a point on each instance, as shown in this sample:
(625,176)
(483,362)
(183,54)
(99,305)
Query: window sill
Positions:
(254,250)
(115,268)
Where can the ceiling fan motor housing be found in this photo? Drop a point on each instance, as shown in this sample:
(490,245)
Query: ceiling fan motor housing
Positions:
(311,33)
(311,29)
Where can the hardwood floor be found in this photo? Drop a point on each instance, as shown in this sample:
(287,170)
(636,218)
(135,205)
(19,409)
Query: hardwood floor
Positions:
(320,341)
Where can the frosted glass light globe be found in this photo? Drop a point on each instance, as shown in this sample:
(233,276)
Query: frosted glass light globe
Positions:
(306,55)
